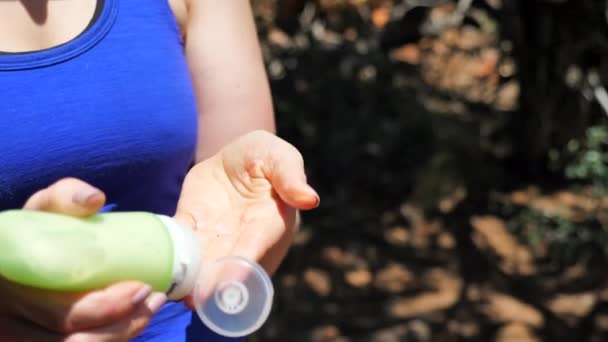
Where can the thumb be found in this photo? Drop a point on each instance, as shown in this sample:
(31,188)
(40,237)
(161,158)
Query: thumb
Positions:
(288,177)
(68,196)
(263,154)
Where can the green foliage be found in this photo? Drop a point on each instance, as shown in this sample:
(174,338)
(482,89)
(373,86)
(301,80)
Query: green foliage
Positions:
(590,161)
(566,242)
(585,159)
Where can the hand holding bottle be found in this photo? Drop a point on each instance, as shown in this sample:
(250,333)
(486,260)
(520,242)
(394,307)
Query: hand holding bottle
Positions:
(241,202)
(115,313)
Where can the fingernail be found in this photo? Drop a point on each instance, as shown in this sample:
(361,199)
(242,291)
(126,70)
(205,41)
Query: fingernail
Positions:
(83,197)
(156,301)
(141,295)
(317,198)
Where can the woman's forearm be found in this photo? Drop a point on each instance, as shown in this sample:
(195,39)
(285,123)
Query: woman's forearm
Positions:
(233,94)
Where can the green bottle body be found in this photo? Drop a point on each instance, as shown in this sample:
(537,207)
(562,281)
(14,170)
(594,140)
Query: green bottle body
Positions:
(69,254)
(64,253)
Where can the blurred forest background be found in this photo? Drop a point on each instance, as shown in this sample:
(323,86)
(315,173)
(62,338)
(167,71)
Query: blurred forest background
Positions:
(460,149)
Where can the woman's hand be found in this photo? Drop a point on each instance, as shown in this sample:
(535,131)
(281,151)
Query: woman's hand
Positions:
(116,313)
(244,200)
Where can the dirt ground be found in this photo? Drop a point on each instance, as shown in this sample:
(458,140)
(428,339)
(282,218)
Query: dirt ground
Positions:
(424,228)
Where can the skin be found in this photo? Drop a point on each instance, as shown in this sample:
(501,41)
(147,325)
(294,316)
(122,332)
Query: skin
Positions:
(116,313)
(245,199)
(241,198)
(232,87)
(232,90)
(241,201)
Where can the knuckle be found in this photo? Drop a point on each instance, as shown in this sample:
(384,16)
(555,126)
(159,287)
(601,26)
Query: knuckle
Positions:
(36,201)
(53,193)
(86,318)
(107,312)
(66,180)
(112,312)
(294,150)
(260,132)
(299,156)
(64,184)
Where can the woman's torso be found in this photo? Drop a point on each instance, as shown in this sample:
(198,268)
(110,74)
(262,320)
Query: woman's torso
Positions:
(114,106)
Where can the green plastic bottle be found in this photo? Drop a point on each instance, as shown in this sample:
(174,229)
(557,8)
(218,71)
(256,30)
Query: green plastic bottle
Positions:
(64,253)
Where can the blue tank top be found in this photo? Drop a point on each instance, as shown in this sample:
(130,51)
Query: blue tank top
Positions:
(115,107)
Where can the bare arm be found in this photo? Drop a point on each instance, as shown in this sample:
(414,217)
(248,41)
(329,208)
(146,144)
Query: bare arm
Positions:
(233,94)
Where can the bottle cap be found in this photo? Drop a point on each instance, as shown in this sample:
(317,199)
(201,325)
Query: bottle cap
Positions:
(235,298)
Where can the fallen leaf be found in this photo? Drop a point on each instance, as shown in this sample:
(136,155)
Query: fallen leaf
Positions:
(318,280)
(504,308)
(358,278)
(572,306)
(446,292)
(398,236)
(341,258)
(515,332)
(490,233)
(394,278)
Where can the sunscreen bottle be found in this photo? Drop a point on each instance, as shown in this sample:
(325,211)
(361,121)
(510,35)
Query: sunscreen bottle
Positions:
(64,253)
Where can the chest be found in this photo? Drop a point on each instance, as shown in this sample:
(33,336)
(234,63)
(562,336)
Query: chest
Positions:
(32,25)
(120,114)
(35,25)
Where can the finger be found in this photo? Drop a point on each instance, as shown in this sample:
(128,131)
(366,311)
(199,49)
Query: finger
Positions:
(287,175)
(66,313)
(24,331)
(125,329)
(263,154)
(68,196)
(102,308)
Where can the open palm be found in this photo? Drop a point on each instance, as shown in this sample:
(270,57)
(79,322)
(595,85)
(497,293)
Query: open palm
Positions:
(244,200)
